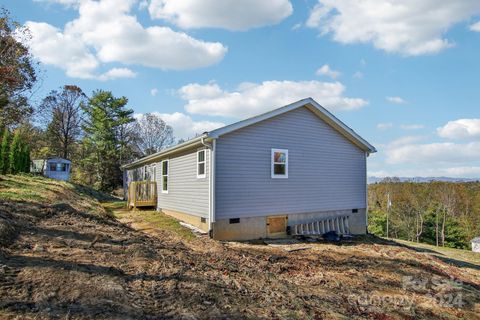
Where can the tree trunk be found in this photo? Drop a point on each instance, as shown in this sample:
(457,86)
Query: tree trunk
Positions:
(436,227)
(443,227)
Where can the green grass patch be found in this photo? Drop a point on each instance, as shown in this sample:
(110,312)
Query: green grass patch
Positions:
(456,256)
(162,221)
(23,195)
(115,209)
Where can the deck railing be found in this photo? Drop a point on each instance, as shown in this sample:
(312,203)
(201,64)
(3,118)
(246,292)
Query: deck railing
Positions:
(142,194)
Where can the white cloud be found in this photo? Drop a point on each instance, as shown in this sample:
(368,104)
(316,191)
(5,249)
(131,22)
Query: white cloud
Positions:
(153,92)
(432,153)
(453,172)
(117,73)
(253,98)
(325,70)
(384,126)
(412,126)
(297,26)
(460,129)
(409,27)
(185,127)
(106,32)
(53,47)
(225,14)
(358,75)
(475,27)
(395,100)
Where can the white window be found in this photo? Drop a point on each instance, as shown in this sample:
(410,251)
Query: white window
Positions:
(165,176)
(201,160)
(279,161)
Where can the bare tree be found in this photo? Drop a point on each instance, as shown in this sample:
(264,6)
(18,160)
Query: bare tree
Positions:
(62,111)
(153,133)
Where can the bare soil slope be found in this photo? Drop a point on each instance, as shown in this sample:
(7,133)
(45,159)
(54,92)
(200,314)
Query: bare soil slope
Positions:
(64,256)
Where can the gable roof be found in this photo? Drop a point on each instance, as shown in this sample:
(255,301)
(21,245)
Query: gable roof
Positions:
(309,103)
(313,106)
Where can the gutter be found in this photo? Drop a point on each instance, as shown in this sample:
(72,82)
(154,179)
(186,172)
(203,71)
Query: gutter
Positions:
(179,147)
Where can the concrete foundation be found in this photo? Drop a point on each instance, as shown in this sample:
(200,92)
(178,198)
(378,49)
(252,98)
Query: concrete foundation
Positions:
(256,227)
(188,218)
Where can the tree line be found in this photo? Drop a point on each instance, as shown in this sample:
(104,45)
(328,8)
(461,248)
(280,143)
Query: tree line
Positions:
(438,213)
(98,133)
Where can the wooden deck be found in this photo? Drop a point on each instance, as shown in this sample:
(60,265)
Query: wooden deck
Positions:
(142,194)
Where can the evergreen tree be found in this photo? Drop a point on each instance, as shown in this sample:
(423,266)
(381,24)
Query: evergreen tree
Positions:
(4,152)
(15,156)
(26,158)
(105,117)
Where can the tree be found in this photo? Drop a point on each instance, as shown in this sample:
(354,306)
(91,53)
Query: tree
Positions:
(63,112)
(153,133)
(105,116)
(17,71)
(5,152)
(15,156)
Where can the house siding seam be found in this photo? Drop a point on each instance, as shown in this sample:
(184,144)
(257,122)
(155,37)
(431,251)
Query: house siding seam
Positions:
(326,171)
(186,193)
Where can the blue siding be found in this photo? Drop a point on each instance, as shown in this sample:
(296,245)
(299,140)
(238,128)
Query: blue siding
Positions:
(186,192)
(326,171)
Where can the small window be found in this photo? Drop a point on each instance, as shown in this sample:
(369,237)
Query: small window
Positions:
(53,167)
(165,176)
(279,160)
(234,220)
(354,210)
(201,164)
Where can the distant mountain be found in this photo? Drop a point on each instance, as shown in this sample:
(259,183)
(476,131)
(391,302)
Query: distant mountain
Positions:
(425,179)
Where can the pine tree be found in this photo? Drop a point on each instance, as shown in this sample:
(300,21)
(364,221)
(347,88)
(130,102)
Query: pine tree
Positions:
(15,157)
(4,152)
(105,118)
(26,158)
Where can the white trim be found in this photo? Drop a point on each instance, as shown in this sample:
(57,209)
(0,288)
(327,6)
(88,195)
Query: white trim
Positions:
(212,182)
(204,175)
(179,147)
(273,163)
(313,106)
(165,175)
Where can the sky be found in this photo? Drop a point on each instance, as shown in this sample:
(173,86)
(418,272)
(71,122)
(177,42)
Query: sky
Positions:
(402,74)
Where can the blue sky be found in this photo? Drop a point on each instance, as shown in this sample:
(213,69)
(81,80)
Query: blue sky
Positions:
(403,74)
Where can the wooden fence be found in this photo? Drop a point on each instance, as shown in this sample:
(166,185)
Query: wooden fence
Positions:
(142,194)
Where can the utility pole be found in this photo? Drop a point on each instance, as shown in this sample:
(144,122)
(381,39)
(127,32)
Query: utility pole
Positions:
(389,204)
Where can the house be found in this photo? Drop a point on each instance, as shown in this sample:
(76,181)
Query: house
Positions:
(295,170)
(476,244)
(53,167)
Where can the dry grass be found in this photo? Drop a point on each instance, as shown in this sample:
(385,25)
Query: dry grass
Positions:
(70,261)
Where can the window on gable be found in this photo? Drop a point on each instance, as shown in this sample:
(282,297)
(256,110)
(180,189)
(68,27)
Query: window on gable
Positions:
(165,176)
(279,163)
(201,164)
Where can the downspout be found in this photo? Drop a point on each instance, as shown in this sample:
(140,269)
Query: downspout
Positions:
(366,192)
(211,184)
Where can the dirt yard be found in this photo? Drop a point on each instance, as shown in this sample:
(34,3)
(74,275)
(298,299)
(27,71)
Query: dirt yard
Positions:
(63,256)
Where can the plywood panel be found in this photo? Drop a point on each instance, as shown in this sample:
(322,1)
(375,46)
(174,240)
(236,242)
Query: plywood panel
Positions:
(276,226)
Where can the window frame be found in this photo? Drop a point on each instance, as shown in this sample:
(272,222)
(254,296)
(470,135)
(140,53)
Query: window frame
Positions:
(165,175)
(204,175)
(273,163)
